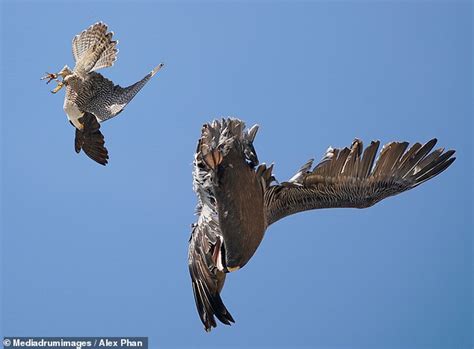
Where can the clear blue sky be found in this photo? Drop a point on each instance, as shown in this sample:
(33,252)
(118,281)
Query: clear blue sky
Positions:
(88,250)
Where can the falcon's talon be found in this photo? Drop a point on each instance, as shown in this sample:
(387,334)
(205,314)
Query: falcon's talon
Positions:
(50,77)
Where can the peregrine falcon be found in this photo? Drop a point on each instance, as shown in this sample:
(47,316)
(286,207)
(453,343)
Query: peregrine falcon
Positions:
(238,199)
(90,97)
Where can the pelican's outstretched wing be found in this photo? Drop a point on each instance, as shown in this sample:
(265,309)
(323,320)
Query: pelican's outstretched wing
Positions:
(350,178)
(94,49)
(203,255)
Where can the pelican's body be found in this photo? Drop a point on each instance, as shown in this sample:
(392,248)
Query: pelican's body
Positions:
(238,199)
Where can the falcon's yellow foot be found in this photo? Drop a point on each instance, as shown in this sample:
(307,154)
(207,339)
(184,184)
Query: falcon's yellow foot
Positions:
(57,88)
(52,76)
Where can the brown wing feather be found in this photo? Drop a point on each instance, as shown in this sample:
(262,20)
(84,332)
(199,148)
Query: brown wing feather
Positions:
(345,179)
(207,280)
(91,140)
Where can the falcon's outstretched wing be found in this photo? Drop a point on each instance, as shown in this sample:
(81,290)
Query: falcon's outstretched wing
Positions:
(104,99)
(348,178)
(94,49)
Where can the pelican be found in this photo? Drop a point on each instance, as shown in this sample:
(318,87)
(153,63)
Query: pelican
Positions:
(238,199)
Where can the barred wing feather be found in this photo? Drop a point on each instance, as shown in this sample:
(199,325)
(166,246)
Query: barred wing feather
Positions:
(94,49)
(351,177)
